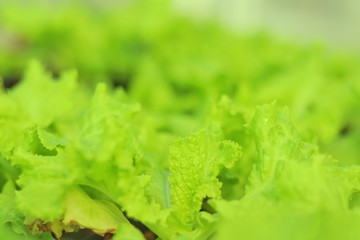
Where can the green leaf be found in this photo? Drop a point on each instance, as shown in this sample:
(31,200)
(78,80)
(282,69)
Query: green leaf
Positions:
(35,96)
(285,163)
(100,216)
(9,212)
(293,191)
(43,184)
(195,163)
(264,221)
(128,232)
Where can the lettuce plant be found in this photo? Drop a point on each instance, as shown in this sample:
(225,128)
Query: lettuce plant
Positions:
(75,161)
(172,129)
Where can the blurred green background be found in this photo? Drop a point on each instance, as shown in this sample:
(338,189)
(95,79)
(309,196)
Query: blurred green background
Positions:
(192,63)
(322,21)
(179,58)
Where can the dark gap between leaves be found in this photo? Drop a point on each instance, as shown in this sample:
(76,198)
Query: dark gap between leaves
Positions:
(83,234)
(87,234)
(11,80)
(345,130)
(205,206)
(55,73)
(121,80)
(148,234)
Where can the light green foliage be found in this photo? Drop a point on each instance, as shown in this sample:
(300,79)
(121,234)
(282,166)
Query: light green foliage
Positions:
(99,215)
(102,155)
(294,191)
(36,90)
(166,122)
(195,163)
(52,154)
(128,232)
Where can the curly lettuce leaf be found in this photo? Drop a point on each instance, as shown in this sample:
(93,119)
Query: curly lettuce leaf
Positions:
(293,191)
(195,163)
(53,160)
(35,95)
